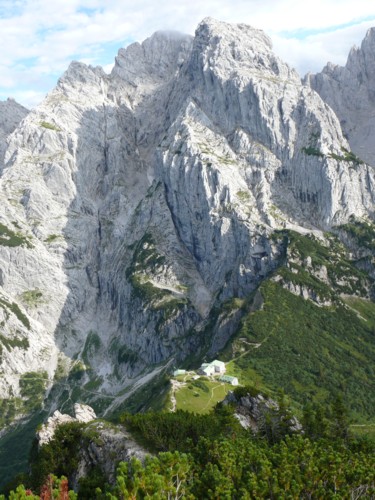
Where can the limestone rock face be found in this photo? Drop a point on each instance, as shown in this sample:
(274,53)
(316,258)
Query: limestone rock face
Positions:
(11,114)
(83,413)
(254,412)
(133,205)
(350,92)
(105,447)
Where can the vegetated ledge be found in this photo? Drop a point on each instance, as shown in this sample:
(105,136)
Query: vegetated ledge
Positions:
(49,126)
(348,156)
(361,231)
(14,308)
(9,238)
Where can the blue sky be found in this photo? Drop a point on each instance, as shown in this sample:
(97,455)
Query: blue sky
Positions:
(39,38)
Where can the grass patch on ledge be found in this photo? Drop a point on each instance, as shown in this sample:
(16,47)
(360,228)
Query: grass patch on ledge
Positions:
(32,387)
(11,343)
(362,232)
(14,308)
(32,298)
(346,156)
(52,237)
(50,126)
(9,238)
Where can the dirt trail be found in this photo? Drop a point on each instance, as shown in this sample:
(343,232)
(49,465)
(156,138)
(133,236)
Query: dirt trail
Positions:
(175,386)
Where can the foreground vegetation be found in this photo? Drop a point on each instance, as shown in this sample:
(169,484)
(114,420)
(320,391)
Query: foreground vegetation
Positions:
(211,456)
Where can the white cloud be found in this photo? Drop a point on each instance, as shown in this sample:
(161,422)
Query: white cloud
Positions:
(314,51)
(41,37)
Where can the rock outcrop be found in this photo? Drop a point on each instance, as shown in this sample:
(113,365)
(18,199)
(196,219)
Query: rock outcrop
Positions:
(83,414)
(104,447)
(261,414)
(133,205)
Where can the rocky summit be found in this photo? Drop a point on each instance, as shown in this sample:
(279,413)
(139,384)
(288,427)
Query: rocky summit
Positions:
(134,205)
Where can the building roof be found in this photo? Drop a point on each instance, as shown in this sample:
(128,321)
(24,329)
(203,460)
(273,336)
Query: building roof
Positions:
(216,362)
(228,378)
(179,372)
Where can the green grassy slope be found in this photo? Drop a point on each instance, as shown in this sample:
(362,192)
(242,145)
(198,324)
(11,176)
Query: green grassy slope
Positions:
(200,396)
(311,351)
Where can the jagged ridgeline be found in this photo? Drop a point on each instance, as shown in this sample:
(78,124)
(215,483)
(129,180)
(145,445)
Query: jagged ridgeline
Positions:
(198,200)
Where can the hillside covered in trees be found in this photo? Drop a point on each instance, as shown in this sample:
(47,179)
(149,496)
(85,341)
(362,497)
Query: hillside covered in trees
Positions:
(211,456)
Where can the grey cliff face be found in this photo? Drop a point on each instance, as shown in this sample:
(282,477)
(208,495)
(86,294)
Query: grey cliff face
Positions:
(135,204)
(11,114)
(350,92)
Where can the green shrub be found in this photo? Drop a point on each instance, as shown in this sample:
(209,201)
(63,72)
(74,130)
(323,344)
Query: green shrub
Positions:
(312,151)
(50,126)
(9,238)
(14,308)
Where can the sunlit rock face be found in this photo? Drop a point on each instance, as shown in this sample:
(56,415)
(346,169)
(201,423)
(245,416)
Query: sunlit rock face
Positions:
(135,204)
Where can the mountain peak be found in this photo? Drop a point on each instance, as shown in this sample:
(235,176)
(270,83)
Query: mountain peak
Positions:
(349,91)
(370,37)
(158,57)
(212,27)
(238,49)
(135,205)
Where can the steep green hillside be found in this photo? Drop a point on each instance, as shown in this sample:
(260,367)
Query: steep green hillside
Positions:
(311,352)
(309,337)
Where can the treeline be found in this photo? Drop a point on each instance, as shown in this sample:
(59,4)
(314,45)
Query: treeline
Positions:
(212,457)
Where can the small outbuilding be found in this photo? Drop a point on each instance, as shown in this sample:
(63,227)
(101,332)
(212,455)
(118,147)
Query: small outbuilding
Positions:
(179,372)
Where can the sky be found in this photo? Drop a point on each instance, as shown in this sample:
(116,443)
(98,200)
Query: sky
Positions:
(39,38)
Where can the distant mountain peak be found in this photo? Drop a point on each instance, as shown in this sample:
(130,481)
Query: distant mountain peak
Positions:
(350,92)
